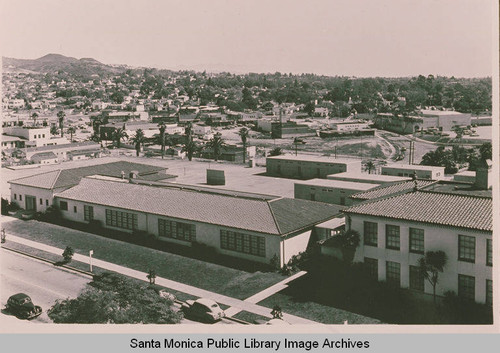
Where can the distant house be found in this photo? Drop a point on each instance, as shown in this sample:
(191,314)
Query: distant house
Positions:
(44,158)
(330,191)
(421,171)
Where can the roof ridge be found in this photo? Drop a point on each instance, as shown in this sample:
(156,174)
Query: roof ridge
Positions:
(30,176)
(273,215)
(456,194)
(56,178)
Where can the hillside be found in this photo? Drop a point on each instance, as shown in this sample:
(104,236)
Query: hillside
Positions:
(52,63)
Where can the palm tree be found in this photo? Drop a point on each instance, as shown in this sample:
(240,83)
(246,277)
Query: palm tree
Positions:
(244,135)
(71,131)
(190,147)
(162,138)
(216,144)
(61,116)
(54,130)
(430,265)
(118,135)
(297,141)
(369,166)
(138,140)
(34,116)
(189,131)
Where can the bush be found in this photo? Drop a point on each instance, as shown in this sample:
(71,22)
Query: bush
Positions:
(68,254)
(459,310)
(5,207)
(275,262)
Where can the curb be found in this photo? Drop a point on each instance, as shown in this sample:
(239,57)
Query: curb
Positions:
(73,269)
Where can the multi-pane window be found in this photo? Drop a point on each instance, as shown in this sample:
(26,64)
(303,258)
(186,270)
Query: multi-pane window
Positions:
(88,213)
(121,219)
(489,292)
(393,273)
(466,287)
(466,248)
(416,278)
(392,237)
(370,233)
(372,267)
(489,252)
(416,240)
(46,202)
(63,205)
(244,243)
(176,230)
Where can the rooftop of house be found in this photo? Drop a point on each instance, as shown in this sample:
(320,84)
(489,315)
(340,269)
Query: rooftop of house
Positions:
(276,215)
(440,112)
(391,189)
(71,146)
(69,177)
(372,177)
(350,185)
(314,158)
(7,138)
(461,188)
(462,211)
(413,167)
(43,156)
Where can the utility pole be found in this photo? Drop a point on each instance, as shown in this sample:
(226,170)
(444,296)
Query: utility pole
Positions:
(91,252)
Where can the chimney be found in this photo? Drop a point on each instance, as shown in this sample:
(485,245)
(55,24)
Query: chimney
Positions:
(483,177)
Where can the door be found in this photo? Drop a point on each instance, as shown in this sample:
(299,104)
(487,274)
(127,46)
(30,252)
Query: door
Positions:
(30,203)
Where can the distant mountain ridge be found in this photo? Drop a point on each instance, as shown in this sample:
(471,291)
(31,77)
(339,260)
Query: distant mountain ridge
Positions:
(51,63)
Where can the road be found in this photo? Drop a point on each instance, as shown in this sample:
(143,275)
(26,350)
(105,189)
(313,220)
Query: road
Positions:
(43,282)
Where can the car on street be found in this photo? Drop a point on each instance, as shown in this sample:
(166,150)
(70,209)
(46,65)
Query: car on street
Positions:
(203,309)
(21,306)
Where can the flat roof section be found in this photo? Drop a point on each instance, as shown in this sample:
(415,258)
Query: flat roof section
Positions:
(314,158)
(362,177)
(412,167)
(338,184)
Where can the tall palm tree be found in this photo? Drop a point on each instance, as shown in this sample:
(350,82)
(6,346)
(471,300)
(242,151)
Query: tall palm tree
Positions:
(162,138)
(118,135)
(54,130)
(190,147)
(61,115)
(430,265)
(138,140)
(296,142)
(369,166)
(216,144)
(71,131)
(34,116)
(189,131)
(244,136)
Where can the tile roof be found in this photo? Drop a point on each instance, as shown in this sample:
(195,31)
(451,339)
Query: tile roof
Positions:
(387,190)
(277,216)
(453,210)
(70,177)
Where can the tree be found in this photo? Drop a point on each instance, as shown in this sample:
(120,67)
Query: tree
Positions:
(34,116)
(216,144)
(71,131)
(61,115)
(138,140)
(347,241)
(189,130)
(369,166)
(162,138)
(277,312)
(244,135)
(151,276)
(115,299)
(485,150)
(296,142)
(68,254)
(430,266)
(276,151)
(118,135)
(54,130)
(190,147)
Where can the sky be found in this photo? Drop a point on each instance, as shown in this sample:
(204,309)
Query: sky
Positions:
(333,37)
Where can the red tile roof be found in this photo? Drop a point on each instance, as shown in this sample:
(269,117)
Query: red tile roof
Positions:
(390,189)
(463,211)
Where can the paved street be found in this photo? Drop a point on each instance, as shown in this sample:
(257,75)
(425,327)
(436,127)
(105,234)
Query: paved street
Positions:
(44,283)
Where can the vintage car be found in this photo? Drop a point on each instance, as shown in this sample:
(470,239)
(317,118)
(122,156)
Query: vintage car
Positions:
(22,307)
(203,310)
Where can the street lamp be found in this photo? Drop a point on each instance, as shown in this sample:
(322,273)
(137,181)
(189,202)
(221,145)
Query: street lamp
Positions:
(91,252)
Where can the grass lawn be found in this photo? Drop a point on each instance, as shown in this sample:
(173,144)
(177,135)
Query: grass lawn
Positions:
(213,277)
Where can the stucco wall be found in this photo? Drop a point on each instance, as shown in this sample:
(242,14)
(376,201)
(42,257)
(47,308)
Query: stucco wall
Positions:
(308,169)
(44,194)
(324,194)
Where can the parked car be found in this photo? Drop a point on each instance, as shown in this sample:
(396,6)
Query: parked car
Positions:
(203,310)
(21,305)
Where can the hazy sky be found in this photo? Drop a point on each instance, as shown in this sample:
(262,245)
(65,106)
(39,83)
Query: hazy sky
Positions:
(333,37)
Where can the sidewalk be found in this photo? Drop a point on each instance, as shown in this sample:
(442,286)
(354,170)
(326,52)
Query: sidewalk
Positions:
(235,304)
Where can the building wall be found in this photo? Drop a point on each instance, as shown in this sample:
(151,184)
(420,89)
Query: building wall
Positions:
(308,169)
(45,195)
(433,173)
(208,234)
(337,196)
(435,238)
(293,245)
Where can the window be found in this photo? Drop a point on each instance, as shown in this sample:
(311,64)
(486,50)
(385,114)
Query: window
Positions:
(393,273)
(466,248)
(392,237)
(489,292)
(372,267)
(63,205)
(370,233)
(466,287)
(88,213)
(74,209)
(41,201)
(46,202)
(20,197)
(244,243)
(416,279)
(416,240)
(15,197)
(176,230)
(489,252)
(120,219)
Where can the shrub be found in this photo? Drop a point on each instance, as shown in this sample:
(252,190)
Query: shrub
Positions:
(5,207)
(275,262)
(68,254)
